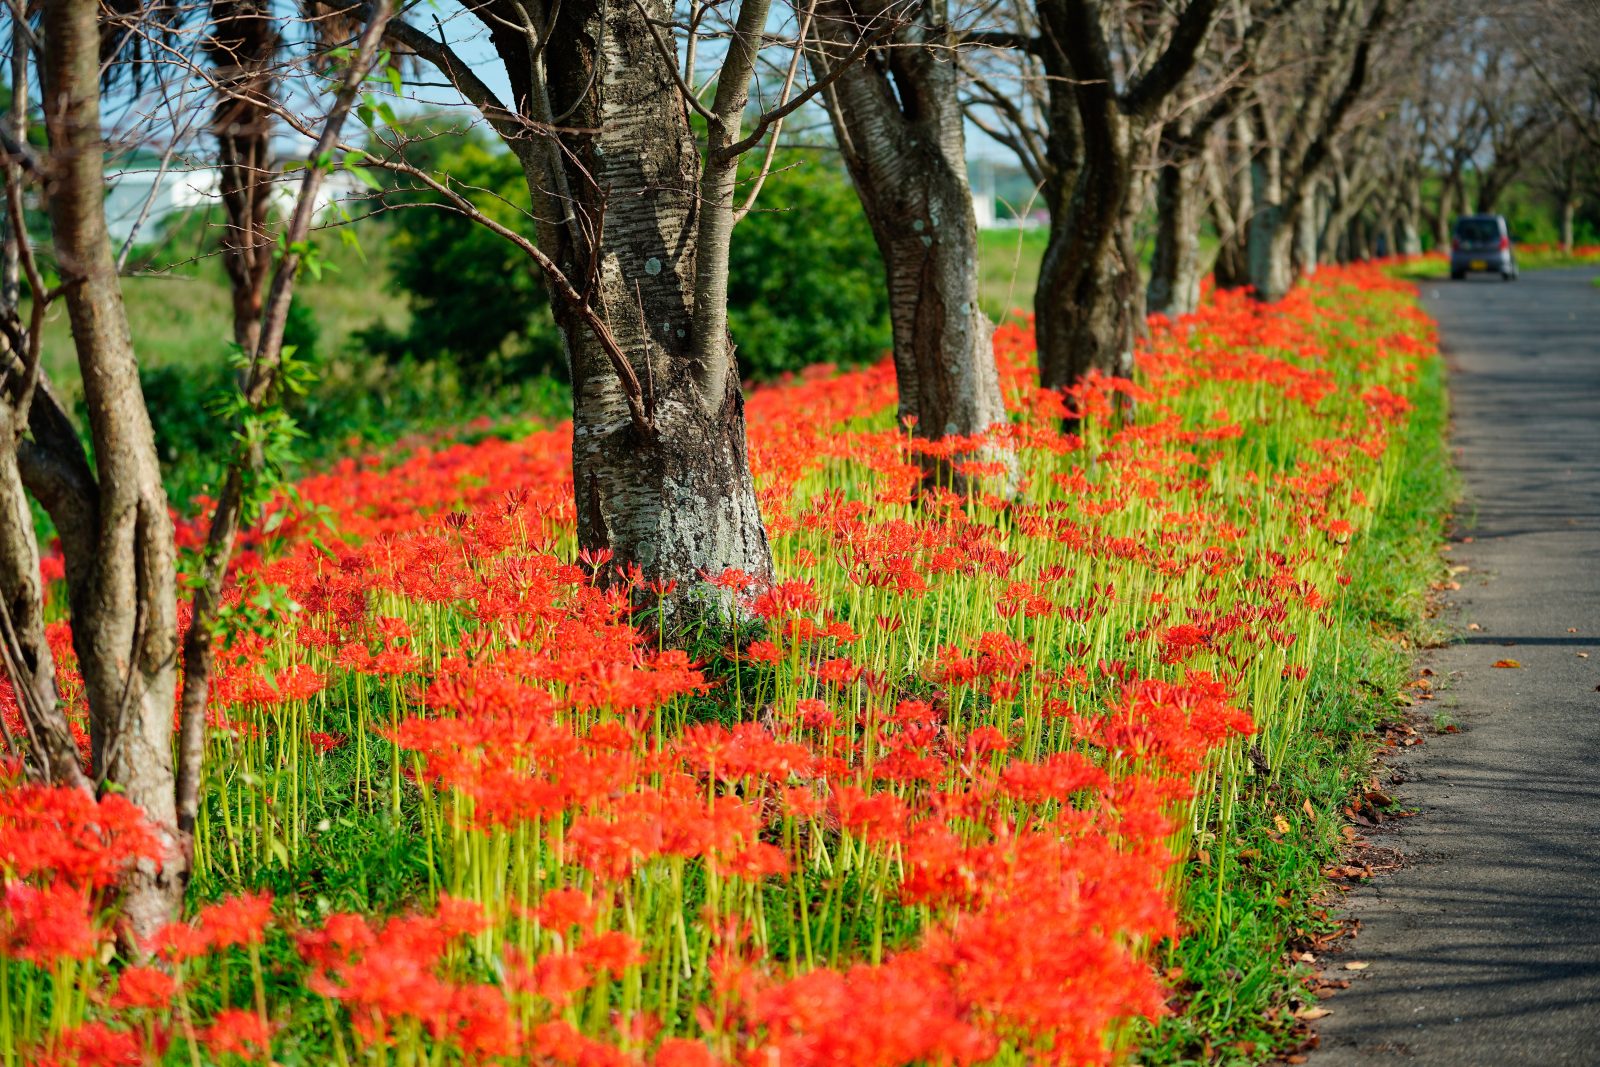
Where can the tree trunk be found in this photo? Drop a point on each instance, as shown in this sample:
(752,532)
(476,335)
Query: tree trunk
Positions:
(1442,219)
(25,652)
(1408,239)
(1569,211)
(259,388)
(1307,232)
(1174,288)
(124,598)
(899,125)
(1272,232)
(241,47)
(1233,188)
(1383,238)
(671,495)
(1085,301)
(1408,234)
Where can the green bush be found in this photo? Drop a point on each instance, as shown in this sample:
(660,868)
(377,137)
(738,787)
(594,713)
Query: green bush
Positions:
(806,282)
(476,299)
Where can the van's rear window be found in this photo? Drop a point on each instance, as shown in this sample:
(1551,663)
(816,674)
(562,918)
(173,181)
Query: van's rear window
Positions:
(1477,230)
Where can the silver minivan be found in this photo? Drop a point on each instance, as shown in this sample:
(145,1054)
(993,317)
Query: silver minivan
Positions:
(1482,244)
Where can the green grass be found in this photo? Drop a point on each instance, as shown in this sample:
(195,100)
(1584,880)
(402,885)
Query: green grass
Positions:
(1236,991)
(1008,269)
(183,316)
(1433,268)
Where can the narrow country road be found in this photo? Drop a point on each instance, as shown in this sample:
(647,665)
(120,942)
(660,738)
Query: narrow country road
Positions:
(1484,950)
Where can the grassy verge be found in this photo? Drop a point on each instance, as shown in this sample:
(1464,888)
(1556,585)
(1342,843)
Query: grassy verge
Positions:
(1529,257)
(1008,269)
(1235,991)
(182,317)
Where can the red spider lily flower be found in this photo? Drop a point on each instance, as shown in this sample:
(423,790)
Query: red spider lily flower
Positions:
(178,941)
(1178,643)
(144,987)
(67,834)
(815,714)
(323,743)
(764,652)
(800,802)
(836,672)
(562,909)
(560,1043)
(732,579)
(879,817)
(682,1052)
(610,953)
(45,925)
(239,920)
(236,1032)
(300,682)
(1056,777)
(94,1044)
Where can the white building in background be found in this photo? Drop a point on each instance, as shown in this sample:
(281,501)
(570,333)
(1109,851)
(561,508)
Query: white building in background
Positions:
(986,201)
(980,173)
(177,191)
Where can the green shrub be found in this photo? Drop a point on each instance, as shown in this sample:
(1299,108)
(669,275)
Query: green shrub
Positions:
(476,299)
(806,283)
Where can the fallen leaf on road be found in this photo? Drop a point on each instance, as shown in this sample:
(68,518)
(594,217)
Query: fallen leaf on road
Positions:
(1310,1014)
(1506,663)
(1306,957)
(1572,629)
(1473,626)
(1357,965)
(1583,655)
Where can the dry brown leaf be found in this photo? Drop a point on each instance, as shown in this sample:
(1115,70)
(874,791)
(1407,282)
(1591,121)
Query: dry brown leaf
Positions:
(1308,809)
(1281,823)
(1506,663)
(1312,1014)
(1357,965)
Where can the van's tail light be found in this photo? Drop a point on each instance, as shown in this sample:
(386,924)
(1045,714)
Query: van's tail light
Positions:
(1505,243)
(1455,244)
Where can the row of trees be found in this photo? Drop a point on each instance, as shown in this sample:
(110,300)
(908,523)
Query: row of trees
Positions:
(644,131)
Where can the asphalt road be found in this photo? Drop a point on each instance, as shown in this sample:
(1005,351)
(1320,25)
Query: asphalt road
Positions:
(1484,950)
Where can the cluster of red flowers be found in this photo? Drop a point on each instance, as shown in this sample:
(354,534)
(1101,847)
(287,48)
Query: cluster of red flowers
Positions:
(949,817)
